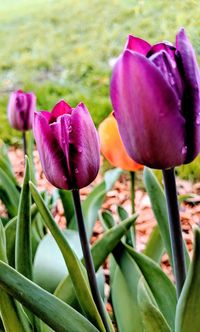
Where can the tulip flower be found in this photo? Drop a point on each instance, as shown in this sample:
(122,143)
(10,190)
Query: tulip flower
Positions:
(155,92)
(21,108)
(69,151)
(112,147)
(68,145)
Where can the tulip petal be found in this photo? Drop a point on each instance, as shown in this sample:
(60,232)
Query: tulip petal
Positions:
(191,98)
(84,147)
(147,112)
(112,147)
(51,155)
(137,44)
(59,109)
(165,46)
(61,130)
(170,71)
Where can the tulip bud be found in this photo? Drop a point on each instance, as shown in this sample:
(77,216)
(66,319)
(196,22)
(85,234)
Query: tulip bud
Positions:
(155,92)
(112,147)
(68,145)
(21,107)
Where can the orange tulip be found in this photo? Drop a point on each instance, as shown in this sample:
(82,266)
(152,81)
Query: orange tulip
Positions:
(112,147)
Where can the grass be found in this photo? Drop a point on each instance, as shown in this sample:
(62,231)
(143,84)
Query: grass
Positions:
(61,49)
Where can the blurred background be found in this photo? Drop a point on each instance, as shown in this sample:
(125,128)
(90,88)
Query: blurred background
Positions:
(65,49)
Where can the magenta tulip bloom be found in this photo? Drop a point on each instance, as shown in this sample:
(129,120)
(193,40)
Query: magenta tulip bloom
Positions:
(155,92)
(21,108)
(68,145)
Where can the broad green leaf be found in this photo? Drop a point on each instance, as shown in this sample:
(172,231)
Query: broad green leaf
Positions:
(94,201)
(159,207)
(124,307)
(57,314)
(8,308)
(106,219)
(10,231)
(8,193)
(6,167)
(49,270)
(161,287)
(23,250)
(155,247)
(187,314)
(152,318)
(68,205)
(75,268)
(100,250)
(132,275)
(123,214)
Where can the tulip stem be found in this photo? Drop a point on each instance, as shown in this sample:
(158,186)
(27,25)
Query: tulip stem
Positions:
(132,230)
(88,259)
(24,143)
(175,229)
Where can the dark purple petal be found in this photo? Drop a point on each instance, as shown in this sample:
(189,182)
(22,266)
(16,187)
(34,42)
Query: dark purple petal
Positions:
(191,98)
(61,130)
(84,147)
(21,107)
(170,72)
(51,155)
(164,46)
(59,109)
(137,45)
(146,109)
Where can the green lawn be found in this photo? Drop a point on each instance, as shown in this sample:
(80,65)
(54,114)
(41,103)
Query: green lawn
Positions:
(61,49)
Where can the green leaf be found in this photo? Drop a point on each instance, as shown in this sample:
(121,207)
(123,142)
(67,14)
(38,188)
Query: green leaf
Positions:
(152,318)
(159,207)
(75,268)
(8,309)
(6,167)
(68,205)
(8,193)
(100,250)
(49,270)
(23,251)
(57,314)
(161,287)
(187,314)
(155,247)
(10,231)
(132,275)
(94,200)
(124,307)
(106,219)
(123,214)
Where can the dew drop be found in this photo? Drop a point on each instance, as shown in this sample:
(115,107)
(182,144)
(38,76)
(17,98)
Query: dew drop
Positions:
(70,129)
(80,149)
(184,150)
(198,119)
(76,170)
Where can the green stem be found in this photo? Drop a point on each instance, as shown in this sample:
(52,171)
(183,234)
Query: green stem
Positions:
(88,259)
(24,143)
(175,229)
(132,230)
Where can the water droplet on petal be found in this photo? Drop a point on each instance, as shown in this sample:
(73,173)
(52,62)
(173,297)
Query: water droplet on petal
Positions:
(80,149)
(184,150)
(70,129)
(76,170)
(198,119)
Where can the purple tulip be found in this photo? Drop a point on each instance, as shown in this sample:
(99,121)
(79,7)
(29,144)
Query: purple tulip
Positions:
(155,92)
(21,108)
(68,145)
